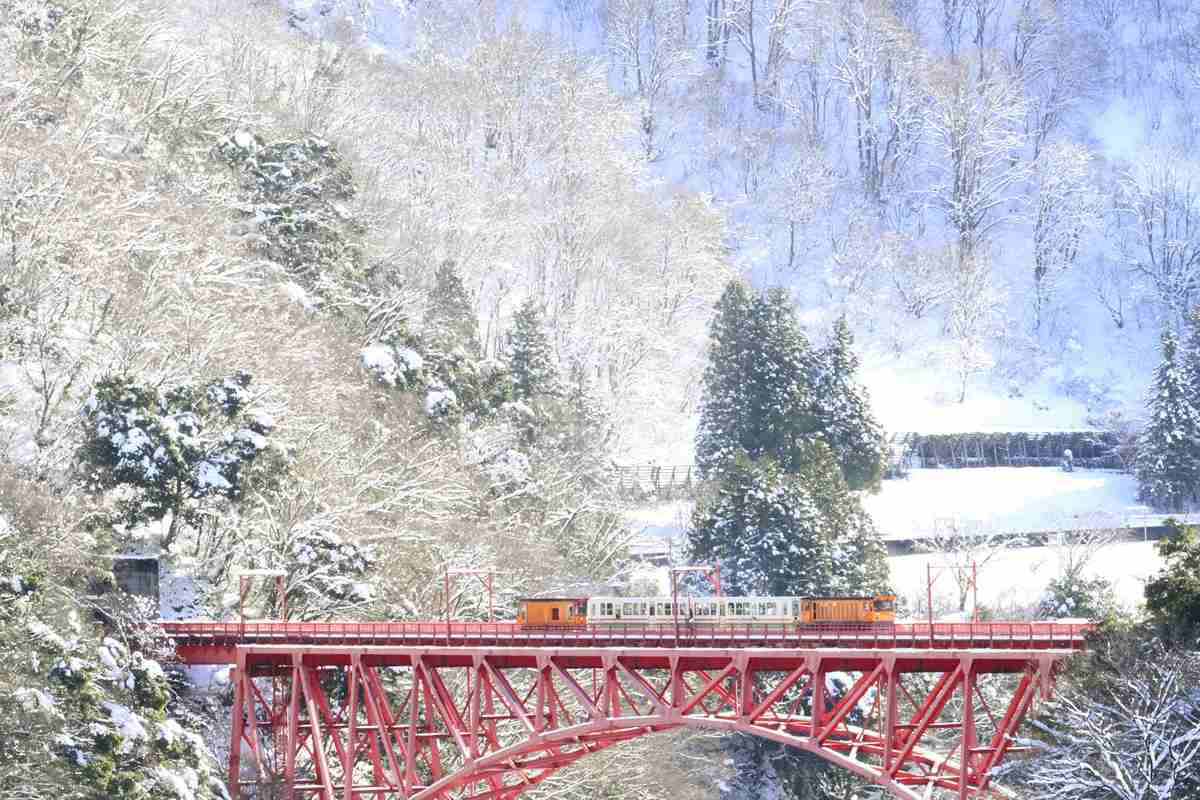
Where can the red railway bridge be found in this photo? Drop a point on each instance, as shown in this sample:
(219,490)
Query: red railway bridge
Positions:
(350,711)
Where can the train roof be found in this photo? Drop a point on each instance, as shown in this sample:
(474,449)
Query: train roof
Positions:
(550,599)
(741,597)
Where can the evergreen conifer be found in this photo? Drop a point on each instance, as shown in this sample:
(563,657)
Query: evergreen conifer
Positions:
(757,398)
(1191,355)
(723,407)
(450,320)
(844,413)
(776,533)
(531,357)
(1173,595)
(1168,460)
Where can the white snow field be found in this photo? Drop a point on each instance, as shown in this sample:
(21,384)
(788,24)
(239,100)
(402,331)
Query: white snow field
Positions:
(1005,499)
(991,500)
(1017,577)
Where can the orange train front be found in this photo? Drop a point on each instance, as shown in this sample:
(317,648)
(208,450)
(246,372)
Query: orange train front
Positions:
(879,609)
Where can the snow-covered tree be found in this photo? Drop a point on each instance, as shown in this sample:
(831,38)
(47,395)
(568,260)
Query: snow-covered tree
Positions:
(880,65)
(973,321)
(646,44)
(777,533)
(1066,209)
(1159,202)
(975,123)
(450,319)
(176,452)
(458,379)
(1190,357)
(1168,458)
(757,396)
(1124,725)
(297,193)
(765,529)
(844,413)
(531,357)
(84,713)
(1173,595)
(1077,597)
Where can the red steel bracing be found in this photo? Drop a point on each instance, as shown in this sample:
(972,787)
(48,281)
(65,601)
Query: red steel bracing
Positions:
(351,723)
(204,642)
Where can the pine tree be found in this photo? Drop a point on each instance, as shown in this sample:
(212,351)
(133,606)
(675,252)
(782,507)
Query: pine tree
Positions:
(776,533)
(586,427)
(531,357)
(1191,354)
(723,405)
(450,321)
(1168,460)
(757,398)
(844,415)
(296,192)
(764,528)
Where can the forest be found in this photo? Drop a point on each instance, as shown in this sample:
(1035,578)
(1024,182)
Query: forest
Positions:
(359,291)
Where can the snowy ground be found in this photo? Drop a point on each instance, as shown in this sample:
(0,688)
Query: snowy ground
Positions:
(990,499)
(1001,499)
(1025,500)
(1018,577)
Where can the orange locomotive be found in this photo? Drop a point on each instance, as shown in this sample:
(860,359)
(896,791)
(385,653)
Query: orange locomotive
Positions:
(872,610)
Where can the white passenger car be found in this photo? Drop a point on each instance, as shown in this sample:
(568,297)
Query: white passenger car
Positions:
(700,610)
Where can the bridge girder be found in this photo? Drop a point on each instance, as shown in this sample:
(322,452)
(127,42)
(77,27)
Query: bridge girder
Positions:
(340,723)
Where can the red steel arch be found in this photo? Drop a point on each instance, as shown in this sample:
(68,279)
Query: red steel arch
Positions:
(418,723)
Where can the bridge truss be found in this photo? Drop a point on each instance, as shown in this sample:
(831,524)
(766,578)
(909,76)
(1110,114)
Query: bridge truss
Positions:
(346,722)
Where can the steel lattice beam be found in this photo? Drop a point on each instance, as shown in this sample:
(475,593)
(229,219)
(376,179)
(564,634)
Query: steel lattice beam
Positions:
(338,723)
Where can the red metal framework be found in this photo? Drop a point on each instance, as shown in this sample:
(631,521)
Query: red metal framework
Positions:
(355,722)
(206,642)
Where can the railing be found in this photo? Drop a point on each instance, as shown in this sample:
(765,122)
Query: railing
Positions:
(997,635)
(663,481)
(1091,449)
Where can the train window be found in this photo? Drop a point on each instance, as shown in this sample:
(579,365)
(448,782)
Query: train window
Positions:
(795,607)
(554,614)
(885,605)
(629,609)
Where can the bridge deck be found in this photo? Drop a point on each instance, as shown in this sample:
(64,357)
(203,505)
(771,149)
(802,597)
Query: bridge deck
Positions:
(208,642)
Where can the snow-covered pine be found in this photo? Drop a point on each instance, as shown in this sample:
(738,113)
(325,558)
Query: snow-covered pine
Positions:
(777,533)
(297,196)
(531,357)
(1168,457)
(726,390)
(757,396)
(843,411)
(460,381)
(177,452)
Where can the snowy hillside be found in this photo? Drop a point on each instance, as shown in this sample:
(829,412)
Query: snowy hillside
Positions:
(996,197)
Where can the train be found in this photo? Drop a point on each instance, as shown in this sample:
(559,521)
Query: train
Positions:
(552,612)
